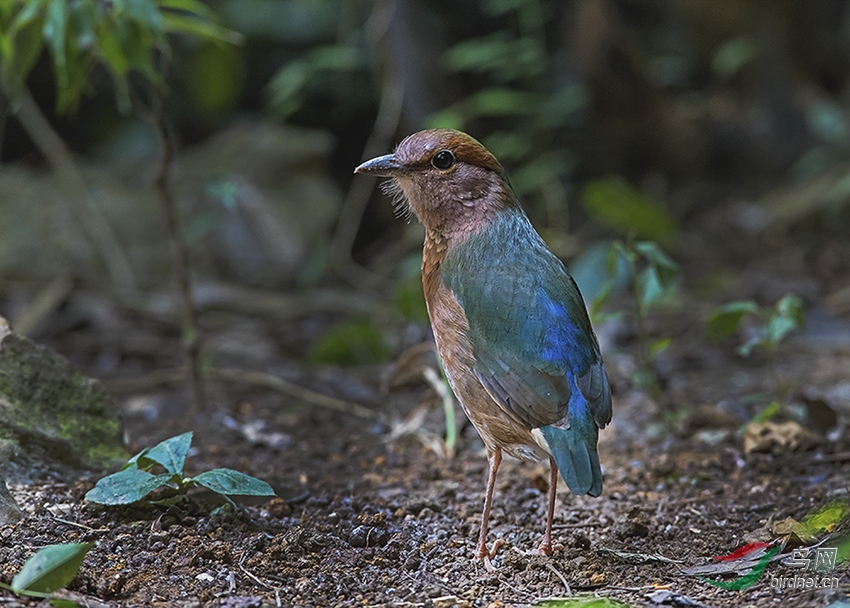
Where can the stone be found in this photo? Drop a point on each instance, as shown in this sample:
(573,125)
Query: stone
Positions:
(51,416)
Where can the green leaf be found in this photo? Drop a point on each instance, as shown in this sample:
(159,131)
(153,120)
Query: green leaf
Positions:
(145,12)
(768,412)
(648,288)
(55,29)
(476,54)
(190,6)
(111,51)
(614,202)
(125,487)
(733,55)
(178,24)
(28,14)
(746,349)
(51,568)
(541,171)
(725,320)
(563,106)
(502,102)
(659,345)
(28,45)
(791,307)
(776,329)
(653,253)
(171,453)
(453,117)
(337,58)
(600,271)
(843,546)
(230,482)
(827,518)
(287,86)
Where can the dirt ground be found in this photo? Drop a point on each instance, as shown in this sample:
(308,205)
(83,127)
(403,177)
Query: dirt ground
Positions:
(370,513)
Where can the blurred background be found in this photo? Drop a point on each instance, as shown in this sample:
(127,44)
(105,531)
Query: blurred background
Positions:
(678,154)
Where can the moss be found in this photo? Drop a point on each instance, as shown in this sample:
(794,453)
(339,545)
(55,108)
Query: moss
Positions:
(45,402)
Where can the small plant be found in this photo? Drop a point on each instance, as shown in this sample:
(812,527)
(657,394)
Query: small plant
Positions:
(768,326)
(135,480)
(654,278)
(49,570)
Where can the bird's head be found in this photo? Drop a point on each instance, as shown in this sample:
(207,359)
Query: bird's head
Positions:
(448,179)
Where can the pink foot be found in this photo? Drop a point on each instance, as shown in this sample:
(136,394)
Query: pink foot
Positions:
(489,554)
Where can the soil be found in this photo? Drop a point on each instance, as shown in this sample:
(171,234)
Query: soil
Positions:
(370,513)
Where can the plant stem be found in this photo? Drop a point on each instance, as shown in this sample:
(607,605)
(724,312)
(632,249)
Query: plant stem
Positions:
(191,329)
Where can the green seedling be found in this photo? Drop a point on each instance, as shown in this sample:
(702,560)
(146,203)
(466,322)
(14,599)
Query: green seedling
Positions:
(653,279)
(49,570)
(770,326)
(135,480)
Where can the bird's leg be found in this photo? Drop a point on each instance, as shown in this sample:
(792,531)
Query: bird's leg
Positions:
(495,459)
(546,546)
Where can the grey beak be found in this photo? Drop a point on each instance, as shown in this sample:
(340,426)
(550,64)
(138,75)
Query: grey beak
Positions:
(382,166)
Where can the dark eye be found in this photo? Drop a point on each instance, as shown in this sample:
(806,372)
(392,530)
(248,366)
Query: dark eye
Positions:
(444,159)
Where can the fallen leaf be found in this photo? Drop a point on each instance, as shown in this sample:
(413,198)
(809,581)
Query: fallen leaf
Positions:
(778,437)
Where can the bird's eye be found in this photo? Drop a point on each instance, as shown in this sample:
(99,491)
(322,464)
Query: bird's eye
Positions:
(444,159)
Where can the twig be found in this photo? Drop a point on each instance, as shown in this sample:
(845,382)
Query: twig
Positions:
(171,377)
(560,576)
(191,328)
(253,577)
(75,524)
(299,392)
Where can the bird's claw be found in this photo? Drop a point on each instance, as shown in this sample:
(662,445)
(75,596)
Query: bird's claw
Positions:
(544,549)
(488,554)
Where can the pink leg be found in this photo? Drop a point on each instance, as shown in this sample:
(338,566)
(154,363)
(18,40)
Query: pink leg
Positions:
(546,546)
(495,459)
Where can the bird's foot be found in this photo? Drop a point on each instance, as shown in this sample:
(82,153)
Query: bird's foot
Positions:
(488,554)
(545,548)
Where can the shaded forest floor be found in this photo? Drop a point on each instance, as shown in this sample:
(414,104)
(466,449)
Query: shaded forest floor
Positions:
(370,513)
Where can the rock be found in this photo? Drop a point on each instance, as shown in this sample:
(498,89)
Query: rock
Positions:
(50,414)
(10,512)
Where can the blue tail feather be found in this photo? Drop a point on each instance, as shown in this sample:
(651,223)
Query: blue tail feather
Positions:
(574,451)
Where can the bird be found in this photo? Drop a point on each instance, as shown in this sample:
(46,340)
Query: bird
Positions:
(510,324)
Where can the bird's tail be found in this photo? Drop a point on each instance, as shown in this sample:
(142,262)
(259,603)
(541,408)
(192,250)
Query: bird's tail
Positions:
(574,451)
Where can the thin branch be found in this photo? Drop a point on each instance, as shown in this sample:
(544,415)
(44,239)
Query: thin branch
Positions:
(191,327)
(291,389)
(170,377)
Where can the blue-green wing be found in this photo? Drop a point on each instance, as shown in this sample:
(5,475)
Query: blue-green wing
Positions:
(532,340)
